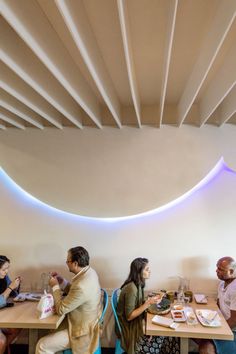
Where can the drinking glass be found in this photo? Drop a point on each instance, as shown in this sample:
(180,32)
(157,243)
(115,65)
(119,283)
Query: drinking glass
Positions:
(45,282)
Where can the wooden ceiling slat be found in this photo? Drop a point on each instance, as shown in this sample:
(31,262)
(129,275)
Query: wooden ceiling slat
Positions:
(20,59)
(213,42)
(228,107)
(11,118)
(12,84)
(118,63)
(167,57)
(219,87)
(29,22)
(124,24)
(86,43)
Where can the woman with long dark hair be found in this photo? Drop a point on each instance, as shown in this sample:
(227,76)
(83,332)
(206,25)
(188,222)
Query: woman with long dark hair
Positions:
(131,310)
(7,288)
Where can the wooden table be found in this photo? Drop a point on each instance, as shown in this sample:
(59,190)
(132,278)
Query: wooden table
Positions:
(185,331)
(24,315)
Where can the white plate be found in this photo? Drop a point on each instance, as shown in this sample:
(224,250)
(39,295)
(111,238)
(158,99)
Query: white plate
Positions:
(19,298)
(178,315)
(28,296)
(190,316)
(33,297)
(208,318)
(200,298)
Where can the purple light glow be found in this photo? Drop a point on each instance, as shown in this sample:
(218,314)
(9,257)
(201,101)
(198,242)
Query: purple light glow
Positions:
(5,179)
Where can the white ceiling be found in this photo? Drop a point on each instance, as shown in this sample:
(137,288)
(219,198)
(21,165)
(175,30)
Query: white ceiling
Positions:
(114,63)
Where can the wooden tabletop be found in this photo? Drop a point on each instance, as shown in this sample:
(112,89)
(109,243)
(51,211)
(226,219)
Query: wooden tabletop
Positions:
(192,331)
(24,315)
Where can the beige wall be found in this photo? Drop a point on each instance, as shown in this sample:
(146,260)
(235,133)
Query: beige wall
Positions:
(112,173)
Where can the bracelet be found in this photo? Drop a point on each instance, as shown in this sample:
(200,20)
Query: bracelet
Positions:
(10,288)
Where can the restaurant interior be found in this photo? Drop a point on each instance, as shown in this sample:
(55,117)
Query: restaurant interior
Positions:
(118,133)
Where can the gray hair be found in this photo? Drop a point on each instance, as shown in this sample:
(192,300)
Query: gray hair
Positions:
(232,265)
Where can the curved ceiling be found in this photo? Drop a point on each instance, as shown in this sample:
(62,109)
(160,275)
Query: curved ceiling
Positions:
(219,167)
(115,63)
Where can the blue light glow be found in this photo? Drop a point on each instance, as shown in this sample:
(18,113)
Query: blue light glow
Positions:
(5,179)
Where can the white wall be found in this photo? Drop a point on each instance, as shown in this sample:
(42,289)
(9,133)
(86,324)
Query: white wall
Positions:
(115,172)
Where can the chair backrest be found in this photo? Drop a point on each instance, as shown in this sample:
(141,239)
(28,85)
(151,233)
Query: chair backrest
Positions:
(114,300)
(105,304)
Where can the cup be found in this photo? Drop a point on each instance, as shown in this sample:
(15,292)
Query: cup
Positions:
(45,281)
(189,294)
(170,295)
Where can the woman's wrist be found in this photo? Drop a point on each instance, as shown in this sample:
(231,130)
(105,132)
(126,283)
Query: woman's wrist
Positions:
(10,288)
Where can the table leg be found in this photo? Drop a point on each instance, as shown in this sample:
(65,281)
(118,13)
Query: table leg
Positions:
(33,338)
(184,345)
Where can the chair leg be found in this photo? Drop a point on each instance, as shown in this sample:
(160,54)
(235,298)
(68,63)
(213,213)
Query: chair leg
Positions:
(118,349)
(98,350)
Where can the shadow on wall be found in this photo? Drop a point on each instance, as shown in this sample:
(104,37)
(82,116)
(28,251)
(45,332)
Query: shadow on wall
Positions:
(35,279)
(198,268)
(195,266)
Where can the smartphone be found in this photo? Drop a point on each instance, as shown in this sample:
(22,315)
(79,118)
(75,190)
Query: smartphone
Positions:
(10,304)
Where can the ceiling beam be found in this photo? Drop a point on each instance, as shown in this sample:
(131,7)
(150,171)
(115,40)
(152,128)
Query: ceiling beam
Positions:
(167,55)
(216,35)
(125,31)
(11,118)
(2,126)
(29,21)
(20,59)
(20,110)
(228,107)
(75,17)
(219,87)
(12,84)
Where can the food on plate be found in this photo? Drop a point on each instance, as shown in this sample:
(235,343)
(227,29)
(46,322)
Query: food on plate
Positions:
(208,318)
(178,315)
(161,308)
(178,307)
(191,317)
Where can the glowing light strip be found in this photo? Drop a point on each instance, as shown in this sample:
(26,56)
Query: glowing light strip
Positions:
(209,177)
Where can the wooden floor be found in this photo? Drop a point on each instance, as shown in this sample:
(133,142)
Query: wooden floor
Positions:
(23,349)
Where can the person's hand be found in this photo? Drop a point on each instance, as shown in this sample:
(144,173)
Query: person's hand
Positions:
(53,281)
(58,276)
(157,298)
(15,283)
(154,299)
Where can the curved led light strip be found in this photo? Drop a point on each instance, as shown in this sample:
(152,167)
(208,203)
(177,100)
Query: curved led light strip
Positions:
(209,177)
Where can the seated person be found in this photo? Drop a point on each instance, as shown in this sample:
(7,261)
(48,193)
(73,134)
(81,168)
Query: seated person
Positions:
(7,288)
(81,305)
(131,309)
(226,272)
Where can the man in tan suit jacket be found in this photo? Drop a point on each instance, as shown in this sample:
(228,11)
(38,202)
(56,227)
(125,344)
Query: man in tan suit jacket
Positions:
(81,305)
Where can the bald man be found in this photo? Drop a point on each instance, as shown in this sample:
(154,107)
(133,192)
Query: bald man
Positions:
(226,272)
